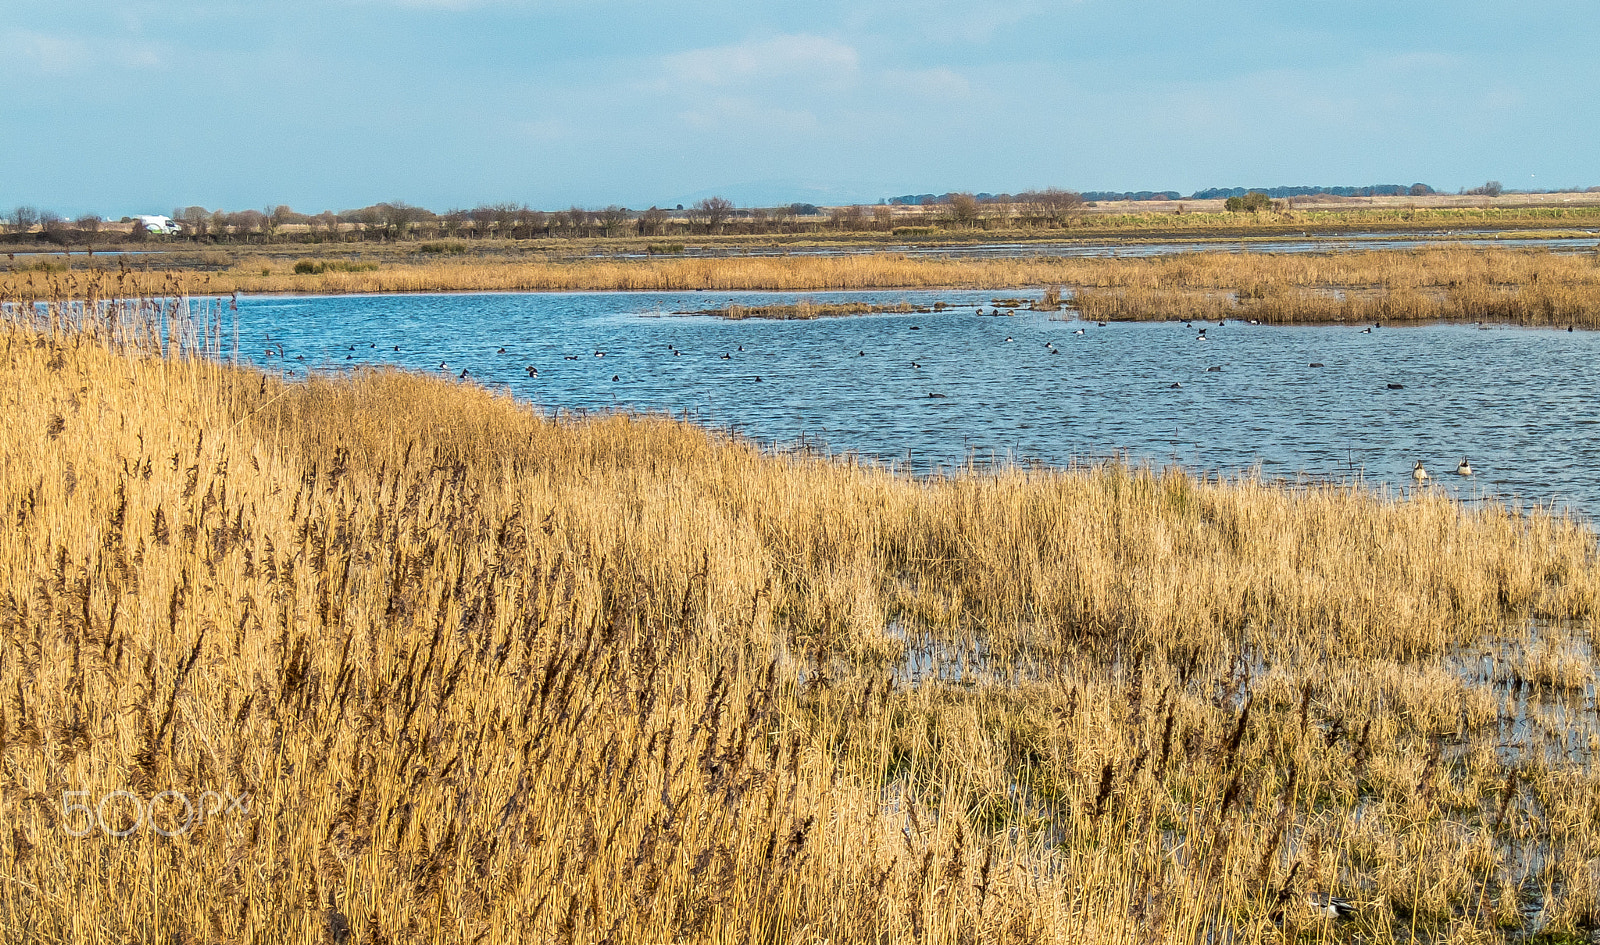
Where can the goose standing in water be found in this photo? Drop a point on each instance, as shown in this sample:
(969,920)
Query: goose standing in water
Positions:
(1418,473)
(1465,469)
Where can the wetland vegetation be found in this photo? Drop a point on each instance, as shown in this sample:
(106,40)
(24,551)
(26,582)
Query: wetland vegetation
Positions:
(486,674)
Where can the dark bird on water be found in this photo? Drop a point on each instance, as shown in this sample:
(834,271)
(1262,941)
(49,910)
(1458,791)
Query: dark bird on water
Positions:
(937,396)
(616,377)
(1397,387)
(1214,368)
(727,357)
(463,373)
(501,351)
(1316,364)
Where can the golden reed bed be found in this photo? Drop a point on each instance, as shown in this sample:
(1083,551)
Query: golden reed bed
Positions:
(391,659)
(1535,287)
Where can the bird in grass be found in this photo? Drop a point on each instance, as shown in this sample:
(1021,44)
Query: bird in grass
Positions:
(1418,473)
(1332,906)
(1465,468)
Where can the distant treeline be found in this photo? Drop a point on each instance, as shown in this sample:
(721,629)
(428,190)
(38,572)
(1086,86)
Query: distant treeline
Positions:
(1211,193)
(1373,190)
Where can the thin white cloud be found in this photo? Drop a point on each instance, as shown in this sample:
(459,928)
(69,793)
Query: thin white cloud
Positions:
(792,58)
(62,54)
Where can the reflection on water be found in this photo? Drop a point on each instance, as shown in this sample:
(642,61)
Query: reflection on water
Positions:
(1520,403)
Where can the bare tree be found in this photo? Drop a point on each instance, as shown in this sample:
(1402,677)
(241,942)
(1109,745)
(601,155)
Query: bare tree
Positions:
(964,209)
(711,213)
(196,221)
(652,221)
(328,222)
(23,219)
(613,218)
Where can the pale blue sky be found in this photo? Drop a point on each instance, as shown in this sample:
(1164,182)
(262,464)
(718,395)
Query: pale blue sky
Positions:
(122,106)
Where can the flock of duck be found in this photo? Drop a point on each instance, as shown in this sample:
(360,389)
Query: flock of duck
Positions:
(1419,472)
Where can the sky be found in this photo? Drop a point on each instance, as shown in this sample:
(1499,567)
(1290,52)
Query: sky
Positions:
(137,106)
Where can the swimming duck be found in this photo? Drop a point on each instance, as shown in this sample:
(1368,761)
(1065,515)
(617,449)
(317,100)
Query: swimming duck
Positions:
(1418,473)
(1078,332)
(1465,469)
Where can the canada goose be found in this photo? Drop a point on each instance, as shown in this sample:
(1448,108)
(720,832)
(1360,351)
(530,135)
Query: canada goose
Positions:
(599,354)
(1366,331)
(501,351)
(916,365)
(533,371)
(758,377)
(1214,368)
(616,377)
(397,347)
(463,373)
(1176,385)
(741,347)
(1465,469)
(1100,324)
(443,366)
(938,396)
(1078,332)
(1397,387)
(1418,473)
(727,357)
(1008,337)
(1316,364)
(571,357)
(861,354)
(348,356)
(1201,337)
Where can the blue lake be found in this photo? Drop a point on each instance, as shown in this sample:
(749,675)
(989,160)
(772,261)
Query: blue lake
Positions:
(1520,403)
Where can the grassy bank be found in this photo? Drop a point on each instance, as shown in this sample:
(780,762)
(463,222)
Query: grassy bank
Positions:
(482,675)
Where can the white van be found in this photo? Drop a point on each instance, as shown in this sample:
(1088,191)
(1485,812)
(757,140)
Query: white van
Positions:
(160,226)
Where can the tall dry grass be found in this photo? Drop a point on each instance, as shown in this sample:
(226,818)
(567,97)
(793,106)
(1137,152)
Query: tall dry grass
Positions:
(1474,284)
(485,675)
